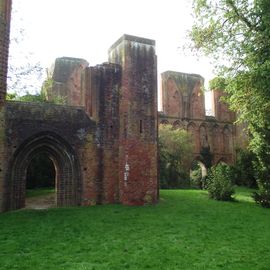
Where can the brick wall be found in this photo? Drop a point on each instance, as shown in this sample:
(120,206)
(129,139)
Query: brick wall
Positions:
(67,135)
(220,108)
(182,95)
(5,12)
(67,82)
(184,107)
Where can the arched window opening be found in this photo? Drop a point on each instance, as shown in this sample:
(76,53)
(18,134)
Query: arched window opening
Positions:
(222,161)
(40,182)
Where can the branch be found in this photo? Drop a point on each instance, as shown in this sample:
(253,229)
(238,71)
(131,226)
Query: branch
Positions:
(241,16)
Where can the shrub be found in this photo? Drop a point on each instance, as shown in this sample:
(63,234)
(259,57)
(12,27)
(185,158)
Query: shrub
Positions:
(262,197)
(219,183)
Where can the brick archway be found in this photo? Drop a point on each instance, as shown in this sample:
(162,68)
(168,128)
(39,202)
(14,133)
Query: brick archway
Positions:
(68,184)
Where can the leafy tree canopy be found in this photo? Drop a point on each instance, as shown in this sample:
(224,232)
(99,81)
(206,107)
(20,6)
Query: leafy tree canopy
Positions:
(218,83)
(175,150)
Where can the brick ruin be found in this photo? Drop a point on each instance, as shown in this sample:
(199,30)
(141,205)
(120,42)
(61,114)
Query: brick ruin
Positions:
(103,141)
(183,107)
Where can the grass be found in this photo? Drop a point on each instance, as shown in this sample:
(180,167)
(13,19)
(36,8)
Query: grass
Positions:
(186,230)
(39,192)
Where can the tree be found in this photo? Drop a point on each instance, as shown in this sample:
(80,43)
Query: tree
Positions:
(244,169)
(175,150)
(237,35)
(39,96)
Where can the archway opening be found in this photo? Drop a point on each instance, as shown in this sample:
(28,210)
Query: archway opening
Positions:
(41,182)
(198,173)
(66,170)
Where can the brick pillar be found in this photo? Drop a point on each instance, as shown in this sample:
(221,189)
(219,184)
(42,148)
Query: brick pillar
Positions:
(5,9)
(220,108)
(138,182)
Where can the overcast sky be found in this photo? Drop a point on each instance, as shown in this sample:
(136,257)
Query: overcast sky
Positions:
(87,28)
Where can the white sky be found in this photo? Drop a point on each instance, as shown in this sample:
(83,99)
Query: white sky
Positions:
(87,28)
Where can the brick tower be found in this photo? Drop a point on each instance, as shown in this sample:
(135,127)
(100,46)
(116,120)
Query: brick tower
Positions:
(137,120)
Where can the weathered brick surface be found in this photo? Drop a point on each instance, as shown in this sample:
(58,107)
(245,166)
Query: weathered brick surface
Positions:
(220,108)
(5,10)
(67,81)
(182,96)
(138,119)
(104,151)
(64,133)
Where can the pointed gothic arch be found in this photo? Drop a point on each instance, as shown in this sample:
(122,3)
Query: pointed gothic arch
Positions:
(64,158)
(177,125)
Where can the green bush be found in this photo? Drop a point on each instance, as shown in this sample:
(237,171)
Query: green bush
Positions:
(196,177)
(244,169)
(262,196)
(175,155)
(219,183)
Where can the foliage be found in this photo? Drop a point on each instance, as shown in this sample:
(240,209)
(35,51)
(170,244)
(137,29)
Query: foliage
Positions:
(207,156)
(196,175)
(244,168)
(217,83)
(237,35)
(27,97)
(47,85)
(38,97)
(262,197)
(11,96)
(175,153)
(219,183)
(185,230)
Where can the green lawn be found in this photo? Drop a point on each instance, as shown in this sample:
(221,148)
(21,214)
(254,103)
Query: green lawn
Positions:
(38,192)
(186,230)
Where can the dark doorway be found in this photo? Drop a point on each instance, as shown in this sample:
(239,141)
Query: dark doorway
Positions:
(40,182)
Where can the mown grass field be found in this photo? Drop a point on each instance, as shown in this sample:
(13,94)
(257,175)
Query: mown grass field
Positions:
(186,230)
